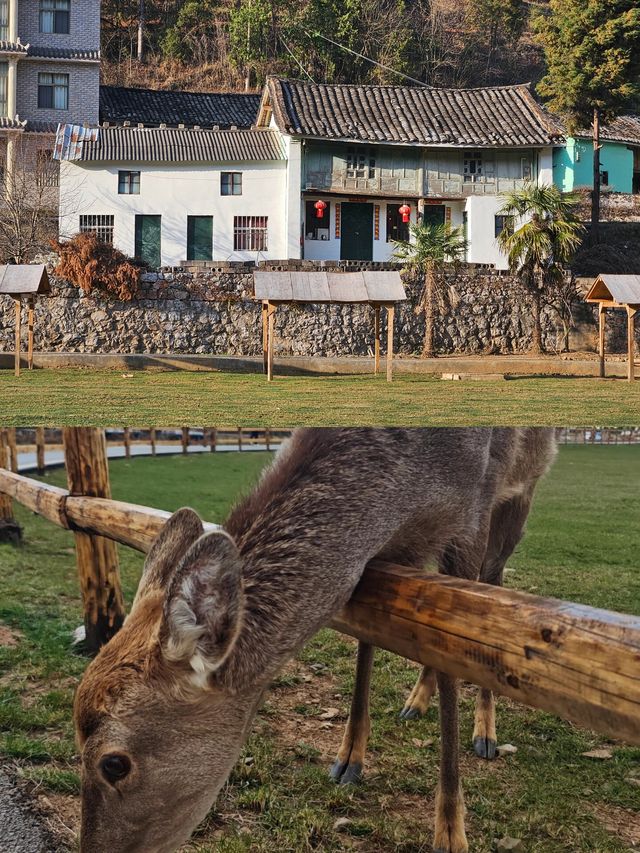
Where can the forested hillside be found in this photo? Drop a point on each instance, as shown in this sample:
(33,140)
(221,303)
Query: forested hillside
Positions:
(233,44)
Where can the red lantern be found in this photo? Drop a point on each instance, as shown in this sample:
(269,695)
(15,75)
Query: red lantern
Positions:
(405,212)
(320,207)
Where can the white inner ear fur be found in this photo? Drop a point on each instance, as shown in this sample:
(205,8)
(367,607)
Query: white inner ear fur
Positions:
(183,643)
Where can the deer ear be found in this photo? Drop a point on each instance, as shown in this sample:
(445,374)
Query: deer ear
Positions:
(178,534)
(203,608)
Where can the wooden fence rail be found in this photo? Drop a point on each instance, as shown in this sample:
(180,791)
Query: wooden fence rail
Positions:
(575,661)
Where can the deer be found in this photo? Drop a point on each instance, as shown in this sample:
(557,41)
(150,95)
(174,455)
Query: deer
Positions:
(164,709)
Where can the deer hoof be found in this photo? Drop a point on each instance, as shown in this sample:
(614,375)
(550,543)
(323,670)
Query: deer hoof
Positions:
(346,773)
(485,747)
(410,712)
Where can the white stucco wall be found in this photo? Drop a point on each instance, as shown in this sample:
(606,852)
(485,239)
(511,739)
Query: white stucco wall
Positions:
(545,167)
(482,245)
(176,191)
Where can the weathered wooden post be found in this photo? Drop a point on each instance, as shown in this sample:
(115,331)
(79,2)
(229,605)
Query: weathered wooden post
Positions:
(239,438)
(85,451)
(152,439)
(376,360)
(12,444)
(390,315)
(18,302)
(185,439)
(631,340)
(267,439)
(10,530)
(30,317)
(126,440)
(40,450)
(213,435)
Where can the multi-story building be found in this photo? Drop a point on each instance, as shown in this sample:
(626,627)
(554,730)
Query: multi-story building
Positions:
(49,74)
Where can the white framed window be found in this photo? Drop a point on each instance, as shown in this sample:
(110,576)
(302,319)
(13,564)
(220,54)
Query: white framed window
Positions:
(231,183)
(250,233)
(472,167)
(53,91)
(4,20)
(100,224)
(128,183)
(54,16)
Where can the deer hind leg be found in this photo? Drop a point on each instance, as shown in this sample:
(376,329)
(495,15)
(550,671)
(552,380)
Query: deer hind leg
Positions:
(450,836)
(419,699)
(349,762)
(507,526)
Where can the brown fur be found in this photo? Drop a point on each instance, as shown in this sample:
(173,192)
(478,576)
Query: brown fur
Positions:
(217,615)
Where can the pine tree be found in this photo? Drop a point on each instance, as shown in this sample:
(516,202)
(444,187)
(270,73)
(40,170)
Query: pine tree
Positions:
(592,50)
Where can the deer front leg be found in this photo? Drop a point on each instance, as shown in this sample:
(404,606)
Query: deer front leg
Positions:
(419,699)
(450,836)
(349,762)
(485,739)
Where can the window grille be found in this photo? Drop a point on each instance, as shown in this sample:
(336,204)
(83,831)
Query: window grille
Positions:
(54,16)
(101,225)
(231,183)
(47,170)
(472,166)
(250,233)
(4,90)
(53,91)
(361,163)
(129,183)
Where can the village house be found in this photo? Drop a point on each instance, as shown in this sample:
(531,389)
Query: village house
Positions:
(49,73)
(327,172)
(619,158)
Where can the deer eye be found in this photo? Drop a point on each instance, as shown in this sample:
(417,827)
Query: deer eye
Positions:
(115,767)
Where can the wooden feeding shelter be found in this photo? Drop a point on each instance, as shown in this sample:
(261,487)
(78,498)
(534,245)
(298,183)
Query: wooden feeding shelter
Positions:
(24,282)
(376,288)
(616,291)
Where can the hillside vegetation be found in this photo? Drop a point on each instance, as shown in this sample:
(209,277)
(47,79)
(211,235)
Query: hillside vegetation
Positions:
(202,45)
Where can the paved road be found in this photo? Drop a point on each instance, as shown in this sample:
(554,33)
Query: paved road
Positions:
(20,831)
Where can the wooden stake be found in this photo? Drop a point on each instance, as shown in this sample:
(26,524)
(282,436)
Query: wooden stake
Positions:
(239,438)
(376,360)
(85,451)
(40,450)
(126,440)
(152,440)
(185,439)
(267,439)
(30,334)
(6,503)
(390,313)
(18,334)
(602,319)
(271,311)
(213,434)
(631,341)
(265,336)
(13,449)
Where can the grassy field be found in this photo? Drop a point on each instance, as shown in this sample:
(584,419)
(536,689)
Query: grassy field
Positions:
(109,397)
(582,543)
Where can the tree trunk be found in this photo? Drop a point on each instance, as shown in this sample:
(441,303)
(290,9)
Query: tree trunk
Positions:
(595,196)
(141,16)
(536,338)
(429,314)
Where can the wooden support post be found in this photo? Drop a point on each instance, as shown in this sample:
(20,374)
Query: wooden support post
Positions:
(239,438)
(10,530)
(30,316)
(18,334)
(602,319)
(265,336)
(185,439)
(271,312)
(85,451)
(13,449)
(213,434)
(376,357)
(40,450)
(631,341)
(390,313)
(152,440)
(126,440)
(267,439)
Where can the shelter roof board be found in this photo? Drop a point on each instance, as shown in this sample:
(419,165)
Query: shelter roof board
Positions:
(24,279)
(371,286)
(623,289)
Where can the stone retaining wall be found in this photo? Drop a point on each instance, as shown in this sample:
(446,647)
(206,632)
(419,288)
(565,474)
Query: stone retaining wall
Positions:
(211,310)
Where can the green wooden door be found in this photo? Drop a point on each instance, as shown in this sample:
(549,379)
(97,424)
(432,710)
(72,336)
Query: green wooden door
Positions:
(148,229)
(199,238)
(433,214)
(356,235)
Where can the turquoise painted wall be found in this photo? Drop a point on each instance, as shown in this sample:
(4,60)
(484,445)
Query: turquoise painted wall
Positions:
(573,165)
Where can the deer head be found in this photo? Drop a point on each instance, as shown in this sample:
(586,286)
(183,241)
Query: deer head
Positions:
(158,730)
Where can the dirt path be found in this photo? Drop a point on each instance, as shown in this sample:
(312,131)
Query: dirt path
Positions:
(20,831)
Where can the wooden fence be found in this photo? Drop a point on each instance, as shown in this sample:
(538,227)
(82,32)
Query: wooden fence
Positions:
(575,661)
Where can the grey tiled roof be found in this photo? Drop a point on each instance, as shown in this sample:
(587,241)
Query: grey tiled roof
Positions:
(623,129)
(12,46)
(153,107)
(170,145)
(64,53)
(504,115)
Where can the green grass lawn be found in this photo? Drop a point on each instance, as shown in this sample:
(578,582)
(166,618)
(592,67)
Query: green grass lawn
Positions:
(583,543)
(108,397)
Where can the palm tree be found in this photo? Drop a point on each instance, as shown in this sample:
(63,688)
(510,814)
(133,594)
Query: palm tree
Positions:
(549,234)
(426,252)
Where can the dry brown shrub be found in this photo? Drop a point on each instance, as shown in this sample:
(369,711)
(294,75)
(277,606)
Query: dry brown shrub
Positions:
(93,265)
